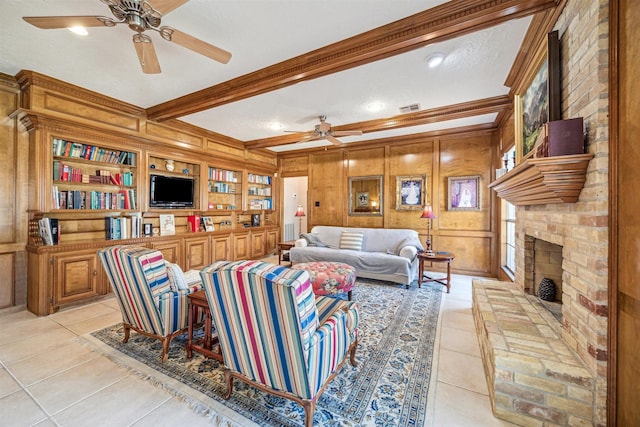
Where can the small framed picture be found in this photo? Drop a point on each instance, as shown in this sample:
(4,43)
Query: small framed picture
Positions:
(410,192)
(463,193)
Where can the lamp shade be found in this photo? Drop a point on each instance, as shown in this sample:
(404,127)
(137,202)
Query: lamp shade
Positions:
(427,212)
(300,211)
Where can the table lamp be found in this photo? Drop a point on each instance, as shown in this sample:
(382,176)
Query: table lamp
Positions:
(300,214)
(427,213)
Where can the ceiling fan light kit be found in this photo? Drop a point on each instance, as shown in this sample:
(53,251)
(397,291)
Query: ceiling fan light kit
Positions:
(139,16)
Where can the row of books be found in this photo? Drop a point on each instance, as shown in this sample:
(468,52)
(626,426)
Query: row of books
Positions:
(259,179)
(77,150)
(68,173)
(261,204)
(49,230)
(259,191)
(117,228)
(77,199)
(222,175)
(222,187)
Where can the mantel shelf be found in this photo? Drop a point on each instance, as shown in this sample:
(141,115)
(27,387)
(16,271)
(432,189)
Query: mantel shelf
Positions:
(544,180)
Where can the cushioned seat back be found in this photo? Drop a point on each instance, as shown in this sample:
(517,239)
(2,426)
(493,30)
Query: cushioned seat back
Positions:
(383,240)
(132,270)
(266,317)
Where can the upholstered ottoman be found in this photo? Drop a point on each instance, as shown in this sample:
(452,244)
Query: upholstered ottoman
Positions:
(329,278)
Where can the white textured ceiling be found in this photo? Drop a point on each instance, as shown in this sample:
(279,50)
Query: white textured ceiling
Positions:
(259,34)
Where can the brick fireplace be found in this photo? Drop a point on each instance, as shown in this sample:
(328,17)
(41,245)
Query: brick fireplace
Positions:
(543,261)
(541,371)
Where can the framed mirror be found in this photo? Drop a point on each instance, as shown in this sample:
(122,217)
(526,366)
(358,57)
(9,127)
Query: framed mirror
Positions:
(365,195)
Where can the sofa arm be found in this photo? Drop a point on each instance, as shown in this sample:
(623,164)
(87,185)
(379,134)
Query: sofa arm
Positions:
(301,243)
(408,252)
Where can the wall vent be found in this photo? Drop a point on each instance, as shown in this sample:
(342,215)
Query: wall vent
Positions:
(410,108)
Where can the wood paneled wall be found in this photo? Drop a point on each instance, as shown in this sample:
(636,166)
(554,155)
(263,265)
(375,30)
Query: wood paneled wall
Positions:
(13,183)
(471,235)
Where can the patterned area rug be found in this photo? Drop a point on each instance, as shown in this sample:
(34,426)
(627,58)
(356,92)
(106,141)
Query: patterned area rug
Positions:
(389,387)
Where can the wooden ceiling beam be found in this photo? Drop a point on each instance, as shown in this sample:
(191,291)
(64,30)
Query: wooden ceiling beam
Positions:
(449,20)
(450,112)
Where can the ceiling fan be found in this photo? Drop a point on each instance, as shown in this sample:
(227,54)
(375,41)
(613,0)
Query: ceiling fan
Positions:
(140,16)
(323,131)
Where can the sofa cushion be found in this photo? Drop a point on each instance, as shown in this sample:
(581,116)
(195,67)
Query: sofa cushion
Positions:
(154,270)
(176,276)
(351,240)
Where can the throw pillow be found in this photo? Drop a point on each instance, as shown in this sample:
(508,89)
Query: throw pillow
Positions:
(313,240)
(176,277)
(351,240)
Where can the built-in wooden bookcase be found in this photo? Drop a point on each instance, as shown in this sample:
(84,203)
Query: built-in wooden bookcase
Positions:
(224,189)
(259,192)
(92,177)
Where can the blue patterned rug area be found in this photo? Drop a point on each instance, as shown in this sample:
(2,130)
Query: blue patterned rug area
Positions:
(389,387)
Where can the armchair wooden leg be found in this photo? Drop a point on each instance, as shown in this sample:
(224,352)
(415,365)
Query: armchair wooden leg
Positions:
(309,409)
(127,332)
(228,378)
(165,348)
(352,353)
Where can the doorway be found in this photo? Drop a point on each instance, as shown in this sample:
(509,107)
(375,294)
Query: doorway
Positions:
(294,195)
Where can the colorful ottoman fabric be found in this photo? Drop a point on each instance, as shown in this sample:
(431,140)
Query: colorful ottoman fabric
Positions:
(329,278)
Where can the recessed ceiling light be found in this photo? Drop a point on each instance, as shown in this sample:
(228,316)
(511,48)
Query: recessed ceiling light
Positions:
(434,59)
(81,31)
(375,106)
(276,126)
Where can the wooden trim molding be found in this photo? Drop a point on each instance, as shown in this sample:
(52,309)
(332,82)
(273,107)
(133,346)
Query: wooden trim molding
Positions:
(451,19)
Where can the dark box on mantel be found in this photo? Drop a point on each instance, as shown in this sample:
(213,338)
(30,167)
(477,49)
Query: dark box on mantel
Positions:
(565,137)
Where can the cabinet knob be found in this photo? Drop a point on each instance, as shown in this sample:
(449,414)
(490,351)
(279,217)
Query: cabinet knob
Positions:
(95,272)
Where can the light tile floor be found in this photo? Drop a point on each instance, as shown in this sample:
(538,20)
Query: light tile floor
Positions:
(49,379)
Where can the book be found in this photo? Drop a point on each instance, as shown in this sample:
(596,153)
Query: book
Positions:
(167,225)
(194,222)
(44,228)
(207,223)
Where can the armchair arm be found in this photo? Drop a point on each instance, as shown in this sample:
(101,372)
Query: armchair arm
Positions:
(301,243)
(327,348)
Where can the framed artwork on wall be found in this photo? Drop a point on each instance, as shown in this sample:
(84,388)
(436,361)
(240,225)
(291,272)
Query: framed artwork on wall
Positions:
(410,192)
(538,101)
(463,193)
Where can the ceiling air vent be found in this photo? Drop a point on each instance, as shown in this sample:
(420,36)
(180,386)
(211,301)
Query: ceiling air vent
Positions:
(410,108)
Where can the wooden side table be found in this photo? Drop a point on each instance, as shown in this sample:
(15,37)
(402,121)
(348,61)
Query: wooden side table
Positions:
(447,257)
(198,300)
(282,247)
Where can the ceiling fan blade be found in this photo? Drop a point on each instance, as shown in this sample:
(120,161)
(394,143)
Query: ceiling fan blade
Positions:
(146,53)
(166,6)
(53,22)
(347,132)
(196,45)
(333,140)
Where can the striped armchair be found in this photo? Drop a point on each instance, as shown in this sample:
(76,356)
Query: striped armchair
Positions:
(149,302)
(275,334)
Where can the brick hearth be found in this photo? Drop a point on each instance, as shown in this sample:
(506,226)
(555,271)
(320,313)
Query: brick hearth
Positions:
(534,378)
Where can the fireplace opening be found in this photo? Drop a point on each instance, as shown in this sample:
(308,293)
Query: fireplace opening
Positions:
(543,267)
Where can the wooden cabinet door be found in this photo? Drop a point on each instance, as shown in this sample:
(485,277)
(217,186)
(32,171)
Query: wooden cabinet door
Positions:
(171,251)
(272,241)
(198,253)
(221,248)
(241,246)
(258,244)
(76,276)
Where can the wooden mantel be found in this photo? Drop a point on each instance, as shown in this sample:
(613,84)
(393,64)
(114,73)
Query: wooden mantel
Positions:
(544,180)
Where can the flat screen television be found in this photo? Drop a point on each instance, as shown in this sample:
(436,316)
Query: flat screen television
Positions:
(171,192)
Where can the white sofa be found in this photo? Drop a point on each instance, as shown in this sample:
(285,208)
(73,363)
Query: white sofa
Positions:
(386,254)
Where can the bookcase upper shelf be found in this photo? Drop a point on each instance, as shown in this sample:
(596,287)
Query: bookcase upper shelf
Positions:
(544,180)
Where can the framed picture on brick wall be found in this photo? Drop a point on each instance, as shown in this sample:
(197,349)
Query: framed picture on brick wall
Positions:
(538,99)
